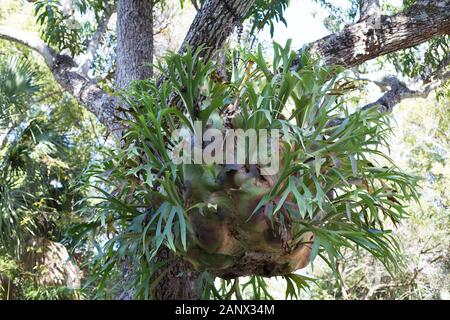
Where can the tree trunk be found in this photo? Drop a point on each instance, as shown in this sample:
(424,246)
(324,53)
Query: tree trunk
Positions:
(134,41)
(50,265)
(179,280)
(134,58)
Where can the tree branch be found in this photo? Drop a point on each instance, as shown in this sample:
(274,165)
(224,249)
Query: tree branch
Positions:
(216,20)
(88,93)
(361,42)
(31,41)
(95,42)
(214,23)
(365,40)
(399,91)
(396,92)
(63,67)
(195,4)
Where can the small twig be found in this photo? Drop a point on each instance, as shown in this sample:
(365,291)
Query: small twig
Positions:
(195,4)
(95,41)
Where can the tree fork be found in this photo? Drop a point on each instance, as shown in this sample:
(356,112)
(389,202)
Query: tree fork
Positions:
(351,46)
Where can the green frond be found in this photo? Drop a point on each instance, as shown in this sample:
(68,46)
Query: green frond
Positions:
(335,181)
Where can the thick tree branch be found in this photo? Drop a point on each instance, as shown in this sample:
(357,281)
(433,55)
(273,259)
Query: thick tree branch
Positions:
(88,93)
(367,40)
(85,90)
(214,23)
(31,41)
(361,42)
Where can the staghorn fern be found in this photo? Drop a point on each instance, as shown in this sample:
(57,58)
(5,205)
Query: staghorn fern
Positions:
(230,221)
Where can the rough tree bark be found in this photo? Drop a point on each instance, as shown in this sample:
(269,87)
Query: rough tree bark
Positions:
(134,41)
(214,23)
(210,28)
(63,67)
(364,41)
(134,29)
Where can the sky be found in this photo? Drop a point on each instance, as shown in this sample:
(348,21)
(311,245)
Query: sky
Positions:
(304,24)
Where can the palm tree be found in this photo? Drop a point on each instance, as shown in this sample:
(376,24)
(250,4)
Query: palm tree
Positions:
(18,84)
(32,166)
